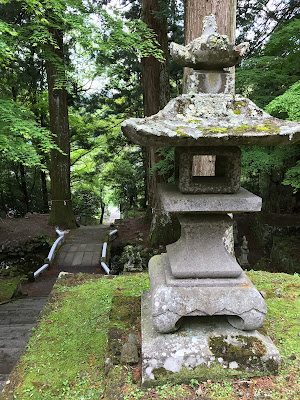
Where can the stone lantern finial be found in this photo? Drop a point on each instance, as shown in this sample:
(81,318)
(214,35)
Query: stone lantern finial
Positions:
(211,51)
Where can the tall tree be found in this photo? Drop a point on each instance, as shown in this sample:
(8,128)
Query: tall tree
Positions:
(156,87)
(61,208)
(156,94)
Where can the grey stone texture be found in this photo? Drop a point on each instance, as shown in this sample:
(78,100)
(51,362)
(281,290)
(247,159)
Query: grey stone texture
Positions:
(200,253)
(211,51)
(129,354)
(174,201)
(208,82)
(227,170)
(236,298)
(243,259)
(203,348)
(211,120)
(17,320)
(134,262)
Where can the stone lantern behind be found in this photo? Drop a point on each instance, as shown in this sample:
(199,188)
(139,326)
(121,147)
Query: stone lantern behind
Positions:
(197,277)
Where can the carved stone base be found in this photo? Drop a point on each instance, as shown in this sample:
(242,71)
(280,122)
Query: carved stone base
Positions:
(203,348)
(172,298)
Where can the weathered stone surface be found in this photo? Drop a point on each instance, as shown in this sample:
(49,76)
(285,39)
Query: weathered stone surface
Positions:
(209,82)
(243,259)
(203,348)
(227,170)
(129,354)
(211,51)
(211,120)
(174,201)
(200,253)
(133,339)
(132,258)
(240,302)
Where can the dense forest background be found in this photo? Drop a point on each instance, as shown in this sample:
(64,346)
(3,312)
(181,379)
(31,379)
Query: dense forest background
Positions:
(78,69)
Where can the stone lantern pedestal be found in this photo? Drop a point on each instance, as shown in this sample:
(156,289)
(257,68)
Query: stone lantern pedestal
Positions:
(201,317)
(197,275)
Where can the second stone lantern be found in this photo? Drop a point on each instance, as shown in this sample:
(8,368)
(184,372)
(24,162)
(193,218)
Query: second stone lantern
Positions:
(197,276)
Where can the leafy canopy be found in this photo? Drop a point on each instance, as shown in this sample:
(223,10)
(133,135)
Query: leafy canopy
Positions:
(21,138)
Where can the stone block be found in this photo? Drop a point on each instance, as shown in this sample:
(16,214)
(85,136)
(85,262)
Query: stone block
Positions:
(203,348)
(209,82)
(200,252)
(174,201)
(226,171)
(236,298)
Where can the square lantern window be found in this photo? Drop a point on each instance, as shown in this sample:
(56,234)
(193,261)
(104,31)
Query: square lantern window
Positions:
(208,169)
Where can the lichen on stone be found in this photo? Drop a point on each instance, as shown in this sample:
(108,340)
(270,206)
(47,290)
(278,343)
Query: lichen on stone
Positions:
(246,351)
(211,119)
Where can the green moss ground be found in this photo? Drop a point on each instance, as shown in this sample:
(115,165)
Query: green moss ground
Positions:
(65,356)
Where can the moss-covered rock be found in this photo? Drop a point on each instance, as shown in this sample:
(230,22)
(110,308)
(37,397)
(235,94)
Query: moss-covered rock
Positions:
(9,288)
(116,378)
(165,229)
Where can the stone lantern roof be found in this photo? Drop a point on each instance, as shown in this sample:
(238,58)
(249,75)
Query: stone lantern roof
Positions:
(211,120)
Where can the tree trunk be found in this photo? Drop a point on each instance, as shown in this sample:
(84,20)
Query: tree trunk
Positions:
(23,186)
(61,207)
(44,192)
(102,213)
(155,83)
(156,87)
(195,11)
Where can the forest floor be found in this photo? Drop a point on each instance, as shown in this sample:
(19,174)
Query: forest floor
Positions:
(131,228)
(16,231)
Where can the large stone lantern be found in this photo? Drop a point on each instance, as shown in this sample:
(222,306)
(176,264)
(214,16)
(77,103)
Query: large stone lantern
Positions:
(197,277)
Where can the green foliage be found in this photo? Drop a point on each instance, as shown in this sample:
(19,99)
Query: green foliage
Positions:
(261,158)
(257,20)
(292,177)
(6,38)
(277,68)
(280,160)
(8,288)
(124,177)
(27,39)
(286,106)
(86,202)
(103,161)
(11,194)
(165,166)
(272,82)
(21,138)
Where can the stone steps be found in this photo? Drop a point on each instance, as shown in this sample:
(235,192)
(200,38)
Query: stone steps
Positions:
(17,319)
(3,380)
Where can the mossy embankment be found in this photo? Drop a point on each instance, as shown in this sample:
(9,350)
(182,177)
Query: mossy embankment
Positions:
(65,358)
